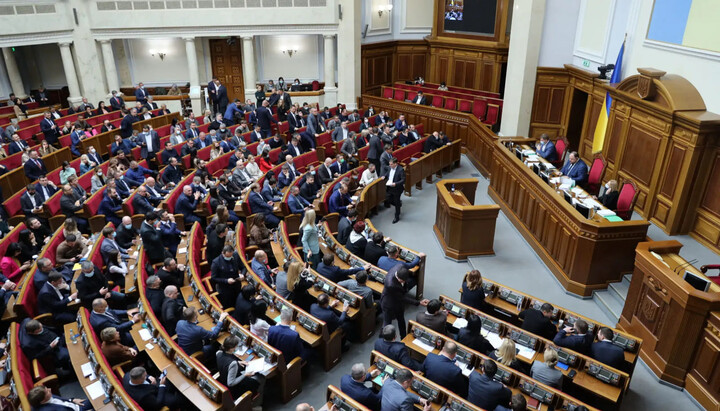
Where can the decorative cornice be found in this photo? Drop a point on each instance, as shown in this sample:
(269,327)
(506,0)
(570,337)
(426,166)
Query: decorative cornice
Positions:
(31,39)
(239,31)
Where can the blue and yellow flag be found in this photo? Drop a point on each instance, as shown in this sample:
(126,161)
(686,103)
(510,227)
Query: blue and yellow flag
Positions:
(604,117)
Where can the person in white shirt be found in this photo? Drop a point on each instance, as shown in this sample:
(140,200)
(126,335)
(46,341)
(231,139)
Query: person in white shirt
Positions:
(369,175)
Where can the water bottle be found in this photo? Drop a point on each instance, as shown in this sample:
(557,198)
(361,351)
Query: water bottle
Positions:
(73,338)
(452,188)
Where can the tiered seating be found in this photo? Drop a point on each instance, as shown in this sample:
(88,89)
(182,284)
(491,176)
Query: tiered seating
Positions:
(25,374)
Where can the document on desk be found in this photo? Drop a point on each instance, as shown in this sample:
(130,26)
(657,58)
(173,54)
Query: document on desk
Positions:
(460,323)
(605,213)
(182,250)
(95,390)
(526,352)
(425,346)
(145,334)
(87,370)
(256,365)
(465,368)
(493,338)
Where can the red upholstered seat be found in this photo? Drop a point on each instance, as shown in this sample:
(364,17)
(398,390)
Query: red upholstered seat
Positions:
(450,103)
(12,205)
(11,237)
(315,85)
(93,203)
(561,147)
(479,108)
(437,101)
(411,95)
(399,95)
(465,106)
(493,114)
(595,176)
(283,127)
(626,200)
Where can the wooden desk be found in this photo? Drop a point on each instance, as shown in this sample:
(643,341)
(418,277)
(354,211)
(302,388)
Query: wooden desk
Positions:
(78,357)
(463,229)
(583,254)
(675,321)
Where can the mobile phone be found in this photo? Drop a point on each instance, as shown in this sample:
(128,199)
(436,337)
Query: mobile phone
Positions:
(249,357)
(163,374)
(572,374)
(190,297)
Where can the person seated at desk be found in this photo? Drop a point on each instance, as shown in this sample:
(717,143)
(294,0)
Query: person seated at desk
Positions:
(576,338)
(193,338)
(216,241)
(329,270)
(395,395)
(484,391)
(113,350)
(539,321)
(546,148)
(434,316)
(102,317)
(297,203)
(38,342)
(258,324)
(506,355)
(606,351)
(172,309)
(233,372)
(610,197)
(545,372)
(323,311)
(519,403)
(375,249)
(473,294)
(356,242)
(259,205)
(386,263)
(575,168)
(92,284)
(395,350)
(310,189)
(148,393)
(243,304)
(70,251)
(441,369)
(54,298)
(126,234)
(154,293)
(470,336)
(41,398)
(353,385)
(358,285)
(340,201)
(286,339)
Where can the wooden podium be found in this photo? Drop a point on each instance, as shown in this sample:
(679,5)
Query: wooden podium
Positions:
(675,321)
(464,229)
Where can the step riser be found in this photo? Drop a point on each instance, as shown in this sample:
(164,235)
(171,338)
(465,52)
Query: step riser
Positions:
(611,307)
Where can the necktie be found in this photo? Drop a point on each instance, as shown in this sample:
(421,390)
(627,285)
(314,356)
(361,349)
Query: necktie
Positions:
(37,163)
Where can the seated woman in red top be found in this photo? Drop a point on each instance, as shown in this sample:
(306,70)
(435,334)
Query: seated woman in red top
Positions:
(264,163)
(10,266)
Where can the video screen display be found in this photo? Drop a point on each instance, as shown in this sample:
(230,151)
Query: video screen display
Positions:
(470,17)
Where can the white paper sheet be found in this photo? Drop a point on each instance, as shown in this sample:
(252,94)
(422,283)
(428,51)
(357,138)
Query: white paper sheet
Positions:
(525,352)
(256,365)
(460,323)
(493,338)
(95,390)
(182,250)
(149,346)
(605,213)
(564,186)
(577,190)
(145,334)
(423,345)
(88,371)
(549,166)
(465,368)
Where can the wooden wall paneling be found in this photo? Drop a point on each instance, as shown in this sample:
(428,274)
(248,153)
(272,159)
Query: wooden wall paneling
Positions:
(226,60)
(554,104)
(703,380)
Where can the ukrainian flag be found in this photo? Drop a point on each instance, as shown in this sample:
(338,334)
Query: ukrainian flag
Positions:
(604,117)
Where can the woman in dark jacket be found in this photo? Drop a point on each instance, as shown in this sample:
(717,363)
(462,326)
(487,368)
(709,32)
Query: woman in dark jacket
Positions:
(610,197)
(473,294)
(471,338)
(28,246)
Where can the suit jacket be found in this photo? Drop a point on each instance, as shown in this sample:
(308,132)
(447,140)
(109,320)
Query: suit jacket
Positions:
(486,392)
(324,174)
(51,135)
(141,95)
(38,346)
(287,341)
(185,205)
(398,179)
(579,343)
(109,207)
(55,407)
(111,318)
(328,315)
(434,322)
(375,147)
(315,125)
(295,121)
(148,396)
(40,192)
(338,134)
(155,143)
(264,118)
(608,353)
(385,158)
(396,398)
(258,204)
(578,171)
(116,102)
(67,205)
(152,242)
(172,309)
(335,273)
(397,352)
(338,203)
(535,322)
(124,146)
(359,392)
(547,151)
(191,337)
(141,205)
(17,147)
(49,302)
(420,100)
(373,252)
(394,295)
(297,204)
(27,205)
(344,229)
(126,128)
(443,371)
(172,175)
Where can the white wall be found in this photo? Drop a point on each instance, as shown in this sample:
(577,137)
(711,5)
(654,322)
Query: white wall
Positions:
(272,63)
(559,27)
(409,20)
(151,70)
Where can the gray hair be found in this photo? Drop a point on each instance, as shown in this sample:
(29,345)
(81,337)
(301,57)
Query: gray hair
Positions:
(42,262)
(87,265)
(357,372)
(151,280)
(286,314)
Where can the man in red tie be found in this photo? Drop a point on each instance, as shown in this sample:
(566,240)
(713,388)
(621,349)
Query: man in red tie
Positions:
(34,167)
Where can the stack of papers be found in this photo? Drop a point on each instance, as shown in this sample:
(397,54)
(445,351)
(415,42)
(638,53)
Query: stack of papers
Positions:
(460,323)
(423,345)
(256,365)
(493,338)
(95,390)
(145,334)
(577,190)
(613,218)
(465,368)
(564,186)
(87,370)
(528,152)
(526,352)
(605,213)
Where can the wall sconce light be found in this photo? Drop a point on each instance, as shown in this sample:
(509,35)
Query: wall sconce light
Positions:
(384,8)
(290,52)
(158,53)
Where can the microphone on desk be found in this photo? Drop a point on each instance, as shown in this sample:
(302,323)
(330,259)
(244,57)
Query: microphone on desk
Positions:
(693,261)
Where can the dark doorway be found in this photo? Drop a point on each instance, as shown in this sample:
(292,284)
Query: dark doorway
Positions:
(577,118)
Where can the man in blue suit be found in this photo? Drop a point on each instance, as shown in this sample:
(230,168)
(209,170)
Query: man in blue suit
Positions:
(395,395)
(546,148)
(259,265)
(193,338)
(575,168)
(264,118)
(110,205)
(259,205)
(34,167)
(485,392)
(41,398)
(270,191)
(395,350)
(75,138)
(17,145)
(102,317)
(172,174)
(386,263)
(287,340)
(54,297)
(186,204)
(296,202)
(140,94)
(329,270)
(323,311)
(340,202)
(126,128)
(121,145)
(49,128)
(575,338)
(353,385)
(606,351)
(442,370)
(169,232)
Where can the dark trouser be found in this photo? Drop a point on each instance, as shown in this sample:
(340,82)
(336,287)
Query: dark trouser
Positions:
(375,161)
(190,219)
(253,384)
(64,317)
(393,197)
(271,220)
(266,132)
(399,315)
(83,225)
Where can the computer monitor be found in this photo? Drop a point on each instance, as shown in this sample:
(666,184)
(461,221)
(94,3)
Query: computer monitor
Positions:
(583,209)
(696,281)
(568,197)
(536,169)
(518,153)
(545,178)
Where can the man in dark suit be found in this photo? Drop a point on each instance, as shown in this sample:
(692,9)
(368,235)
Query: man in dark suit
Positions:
(224,273)
(394,187)
(315,124)
(329,270)
(193,338)
(323,311)
(172,309)
(375,249)
(539,321)
(116,102)
(54,297)
(186,204)
(141,202)
(150,104)
(49,129)
(297,203)
(325,172)
(345,226)
(103,317)
(441,368)
(395,350)
(295,120)
(38,342)
(41,398)
(110,205)
(485,392)
(121,144)
(125,233)
(353,385)
(285,339)
(149,142)
(264,119)
(545,148)
(434,317)
(126,128)
(18,145)
(576,337)
(154,293)
(395,395)
(420,99)
(394,297)
(575,168)
(29,202)
(169,232)
(45,189)
(309,190)
(152,239)
(140,94)
(375,150)
(172,174)
(148,393)
(218,96)
(606,351)
(69,204)
(259,205)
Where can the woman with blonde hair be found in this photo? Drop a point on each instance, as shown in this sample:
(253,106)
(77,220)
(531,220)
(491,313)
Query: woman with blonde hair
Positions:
(216,151)
(310,238)
(45,148)
(298,285)
(473,293)
(505,355)
(610,197)
(207,116)
(85,164)
(70,227)
(252,168)
(545,372)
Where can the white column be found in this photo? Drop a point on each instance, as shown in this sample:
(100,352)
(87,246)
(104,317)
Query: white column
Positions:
(348,40)
(109,62)
(329,59)
(249,70)
(527,24)
(194,75)
(70,75)
(13,73)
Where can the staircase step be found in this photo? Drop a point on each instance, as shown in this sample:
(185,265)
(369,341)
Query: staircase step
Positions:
(620,289)
(610,303)
(627,278)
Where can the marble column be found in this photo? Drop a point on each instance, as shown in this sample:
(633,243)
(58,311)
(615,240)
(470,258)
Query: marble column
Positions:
(348,40)
(109,61)
(331,92)
(527,25)
(194,75)
(249,70)
(70,74)
(13,73)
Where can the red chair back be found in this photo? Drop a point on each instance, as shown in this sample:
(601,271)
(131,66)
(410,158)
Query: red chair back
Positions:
(561,147)
(315,85)
(450,103)
(493,114)
(399,95)
(437,101)
(626,200)
(595,175)
(465,106)
(479,108)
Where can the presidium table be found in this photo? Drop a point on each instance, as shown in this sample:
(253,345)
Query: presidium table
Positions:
(463,228)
